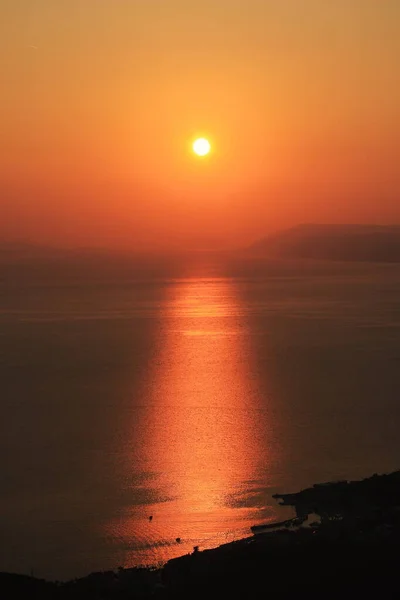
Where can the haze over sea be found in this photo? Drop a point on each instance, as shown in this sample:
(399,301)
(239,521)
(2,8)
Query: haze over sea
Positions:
(190,396)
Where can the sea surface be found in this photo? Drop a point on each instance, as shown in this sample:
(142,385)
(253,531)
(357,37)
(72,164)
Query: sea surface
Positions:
(190,398)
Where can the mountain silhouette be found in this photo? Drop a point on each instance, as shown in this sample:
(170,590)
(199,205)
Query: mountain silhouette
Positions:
(333,242)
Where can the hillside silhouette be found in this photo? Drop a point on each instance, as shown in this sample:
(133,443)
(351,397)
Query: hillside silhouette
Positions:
(333,242)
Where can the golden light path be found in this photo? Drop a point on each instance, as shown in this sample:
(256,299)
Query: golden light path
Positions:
(199,442)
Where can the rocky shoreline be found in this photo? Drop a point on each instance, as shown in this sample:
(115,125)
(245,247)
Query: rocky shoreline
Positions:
(353,550)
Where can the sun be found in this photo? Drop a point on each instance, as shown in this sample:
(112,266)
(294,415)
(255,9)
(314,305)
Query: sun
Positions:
(201,147)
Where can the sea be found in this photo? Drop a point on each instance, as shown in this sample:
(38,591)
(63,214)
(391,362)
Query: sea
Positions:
(144,412)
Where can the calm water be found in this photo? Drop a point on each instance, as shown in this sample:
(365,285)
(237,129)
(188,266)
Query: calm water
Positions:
(189,399)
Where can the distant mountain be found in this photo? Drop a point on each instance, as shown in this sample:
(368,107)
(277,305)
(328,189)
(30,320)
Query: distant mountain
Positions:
(26,262)
(17,251)
(334,242)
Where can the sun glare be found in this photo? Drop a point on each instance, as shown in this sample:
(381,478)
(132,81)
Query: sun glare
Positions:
(201,147)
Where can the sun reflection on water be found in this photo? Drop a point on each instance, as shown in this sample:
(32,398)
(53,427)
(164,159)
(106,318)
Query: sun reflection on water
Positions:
(199,440)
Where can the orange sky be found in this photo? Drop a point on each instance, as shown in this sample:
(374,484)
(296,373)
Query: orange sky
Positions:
(100,100)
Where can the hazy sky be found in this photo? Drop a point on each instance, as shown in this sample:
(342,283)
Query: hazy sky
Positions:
(100,100)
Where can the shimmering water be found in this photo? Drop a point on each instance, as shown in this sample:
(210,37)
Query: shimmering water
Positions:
(191,400)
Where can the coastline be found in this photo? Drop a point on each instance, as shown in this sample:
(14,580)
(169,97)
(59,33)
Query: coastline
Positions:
(357,539)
